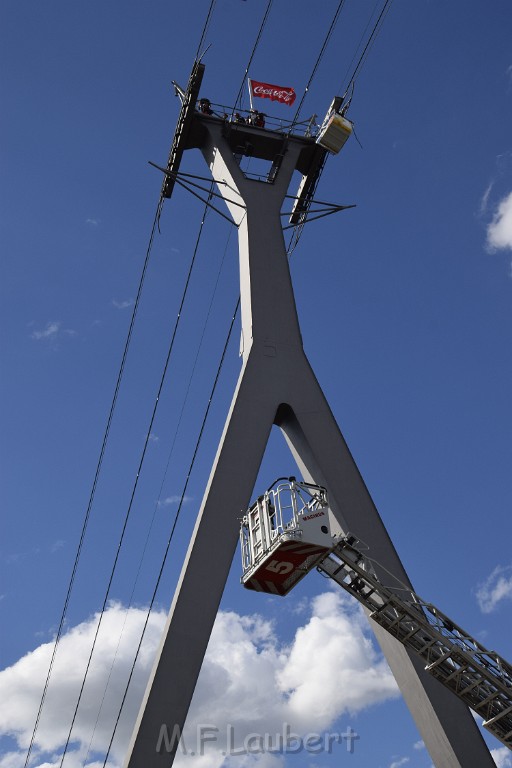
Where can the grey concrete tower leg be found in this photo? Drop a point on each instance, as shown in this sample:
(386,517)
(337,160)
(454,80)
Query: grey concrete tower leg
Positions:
(276,385)
(444,722)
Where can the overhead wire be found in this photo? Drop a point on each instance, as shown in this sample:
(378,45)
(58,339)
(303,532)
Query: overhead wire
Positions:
(106,434)
(251,57)
(189,384)
(135,484)
(296,235)
(358,46)
(178,511)
(297,231)
(157,504)
(205,29)
(319,58)
(95,481)
(171,535)
(371,40)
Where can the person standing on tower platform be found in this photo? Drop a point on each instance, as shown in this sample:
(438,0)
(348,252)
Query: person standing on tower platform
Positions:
(205,106)
(259,120)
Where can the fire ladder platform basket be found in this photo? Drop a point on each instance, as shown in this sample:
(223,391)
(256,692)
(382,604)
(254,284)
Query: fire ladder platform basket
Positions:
(284,534)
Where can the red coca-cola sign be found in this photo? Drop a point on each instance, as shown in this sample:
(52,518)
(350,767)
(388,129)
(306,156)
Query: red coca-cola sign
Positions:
(272,92)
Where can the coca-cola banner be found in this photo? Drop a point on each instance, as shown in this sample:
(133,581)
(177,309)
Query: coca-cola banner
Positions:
(272,92)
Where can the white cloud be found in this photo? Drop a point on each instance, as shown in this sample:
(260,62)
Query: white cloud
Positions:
(330,669)
(357,678)
(504,162)
(502,757)
(250,681)
(485,198)
(497,587)
(22,685)
(174,499)
(123,304)
(399,762)
(93,222)
(419,744)
(10,760)
(50,331)
(499,231)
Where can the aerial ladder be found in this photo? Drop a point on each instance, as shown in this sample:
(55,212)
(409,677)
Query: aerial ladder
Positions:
(290,530)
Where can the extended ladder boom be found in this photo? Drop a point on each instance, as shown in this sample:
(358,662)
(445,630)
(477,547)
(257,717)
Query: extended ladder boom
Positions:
(481,678)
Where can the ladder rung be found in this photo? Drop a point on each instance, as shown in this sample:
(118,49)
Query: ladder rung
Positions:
(456,672)
(470,687)
(497,717)
(427,646)
(489,698)
(411,633)
(438,661)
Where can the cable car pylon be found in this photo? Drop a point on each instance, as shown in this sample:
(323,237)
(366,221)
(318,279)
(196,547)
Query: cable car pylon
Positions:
(276,386)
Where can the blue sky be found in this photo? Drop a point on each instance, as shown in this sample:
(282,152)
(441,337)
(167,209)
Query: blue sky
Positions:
(405,307)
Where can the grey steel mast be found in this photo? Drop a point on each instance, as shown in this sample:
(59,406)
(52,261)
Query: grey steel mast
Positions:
(276,386)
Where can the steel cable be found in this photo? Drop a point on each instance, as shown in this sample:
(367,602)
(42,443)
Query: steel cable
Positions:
(135,484)
(171,451)
(104,442)
(358,46)
(95,481)
(319,59)
(362,59)
(251,57)
(364,55)
(171,536)
(205,29)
